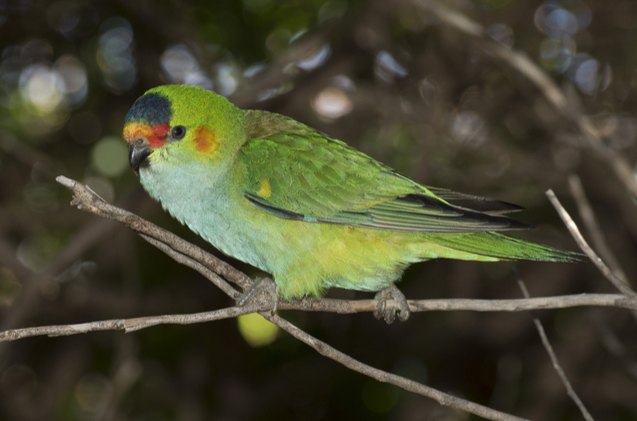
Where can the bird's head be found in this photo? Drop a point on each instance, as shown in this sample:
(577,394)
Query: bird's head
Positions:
(180,124)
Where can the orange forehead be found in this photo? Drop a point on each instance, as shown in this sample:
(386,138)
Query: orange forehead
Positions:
(133,130)
(155,135)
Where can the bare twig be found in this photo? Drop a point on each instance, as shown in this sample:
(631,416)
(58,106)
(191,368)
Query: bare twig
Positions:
(590,222)
(583,244)
(554,95)
(187,260)
(442,398)
(87,200)
(462,304)
(127,325)
(556,363)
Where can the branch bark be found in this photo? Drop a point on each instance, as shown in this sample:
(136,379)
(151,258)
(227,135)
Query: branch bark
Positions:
(326,305)
(126,325)
(617,282)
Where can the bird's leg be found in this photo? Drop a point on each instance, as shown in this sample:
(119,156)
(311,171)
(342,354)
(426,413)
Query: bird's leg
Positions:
(390,303)
(263,293)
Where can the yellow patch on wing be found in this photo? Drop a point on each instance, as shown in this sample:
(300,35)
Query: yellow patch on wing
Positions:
(205,140)
(265,190)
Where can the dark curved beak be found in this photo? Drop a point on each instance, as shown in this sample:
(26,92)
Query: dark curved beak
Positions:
(138,154)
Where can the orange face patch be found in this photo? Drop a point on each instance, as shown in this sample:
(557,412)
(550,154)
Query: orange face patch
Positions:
(205,140)
(155,135)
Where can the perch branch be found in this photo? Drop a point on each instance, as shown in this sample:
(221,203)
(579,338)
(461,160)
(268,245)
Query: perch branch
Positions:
(327,305)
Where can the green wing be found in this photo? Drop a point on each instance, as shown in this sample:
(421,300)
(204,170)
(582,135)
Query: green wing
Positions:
(297,173)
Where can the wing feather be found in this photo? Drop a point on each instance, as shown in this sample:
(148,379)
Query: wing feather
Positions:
(314,178)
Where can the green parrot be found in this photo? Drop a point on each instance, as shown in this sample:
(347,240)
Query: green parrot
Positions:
(306,208)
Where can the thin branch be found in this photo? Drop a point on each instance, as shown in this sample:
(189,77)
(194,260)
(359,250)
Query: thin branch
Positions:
(186,260)
(87,200)
(586,248)
(554,95)
(338,306)
(590,222)
(442,398)
(556,363)
(127,325)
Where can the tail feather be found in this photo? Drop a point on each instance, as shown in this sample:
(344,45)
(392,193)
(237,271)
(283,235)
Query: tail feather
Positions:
(491,245)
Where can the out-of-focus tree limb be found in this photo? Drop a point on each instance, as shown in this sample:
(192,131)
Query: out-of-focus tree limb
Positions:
(570,391)
(590,136)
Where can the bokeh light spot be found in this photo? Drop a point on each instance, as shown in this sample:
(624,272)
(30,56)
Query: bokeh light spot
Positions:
(73,73)
(316,59)
(110,156)
(469,128)
(586,76)
(115,54)
(181,66)
(332,103)
(387,67)
(42,87)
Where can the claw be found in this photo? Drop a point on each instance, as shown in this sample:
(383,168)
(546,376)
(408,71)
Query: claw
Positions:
(263,294)
(391,303)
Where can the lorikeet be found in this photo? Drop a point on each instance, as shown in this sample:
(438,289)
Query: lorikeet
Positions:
(308,209)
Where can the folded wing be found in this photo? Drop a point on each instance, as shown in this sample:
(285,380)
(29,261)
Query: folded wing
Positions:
(297,173)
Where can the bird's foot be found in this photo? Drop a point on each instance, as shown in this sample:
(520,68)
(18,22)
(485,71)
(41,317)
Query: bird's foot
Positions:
(263,294)
(391,303)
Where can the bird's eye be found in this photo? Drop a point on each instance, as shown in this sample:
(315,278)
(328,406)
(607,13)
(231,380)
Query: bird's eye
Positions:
(178,132)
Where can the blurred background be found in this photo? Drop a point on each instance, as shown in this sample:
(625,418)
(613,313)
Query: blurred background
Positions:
(391,80)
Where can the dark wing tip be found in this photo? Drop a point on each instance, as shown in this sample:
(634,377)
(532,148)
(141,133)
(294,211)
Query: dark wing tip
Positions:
(489,221)
(475,203)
